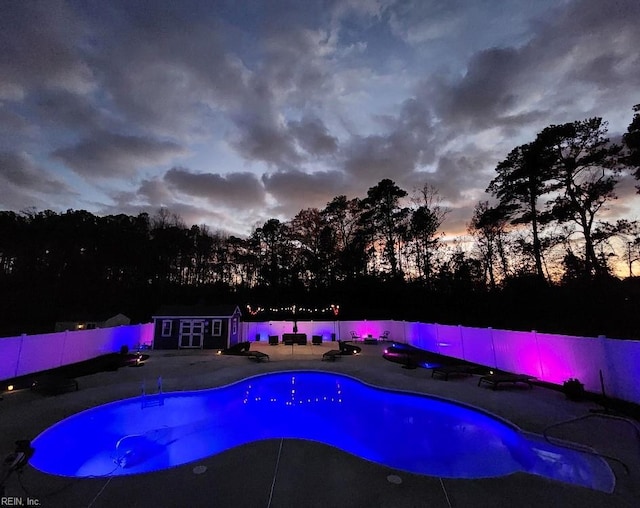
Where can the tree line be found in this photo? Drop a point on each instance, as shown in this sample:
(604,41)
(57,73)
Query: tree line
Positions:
(542,235)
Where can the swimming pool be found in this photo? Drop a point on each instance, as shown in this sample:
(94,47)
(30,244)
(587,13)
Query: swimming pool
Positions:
(401,430)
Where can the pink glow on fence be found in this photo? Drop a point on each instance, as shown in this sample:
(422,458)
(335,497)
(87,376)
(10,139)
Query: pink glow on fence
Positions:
(516,352)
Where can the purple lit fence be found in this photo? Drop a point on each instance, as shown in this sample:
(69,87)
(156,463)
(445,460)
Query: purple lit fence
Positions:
(34,353)
(340,329)
(549,357)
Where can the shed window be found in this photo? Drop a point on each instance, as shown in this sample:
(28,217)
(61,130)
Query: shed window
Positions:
(166,327)
(216,327)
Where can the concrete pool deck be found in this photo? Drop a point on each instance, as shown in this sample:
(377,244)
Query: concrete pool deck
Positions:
(291,473)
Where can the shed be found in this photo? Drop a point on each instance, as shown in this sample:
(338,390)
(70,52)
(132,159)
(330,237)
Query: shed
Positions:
(196,327)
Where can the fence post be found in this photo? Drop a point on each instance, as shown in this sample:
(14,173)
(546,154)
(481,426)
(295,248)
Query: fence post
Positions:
(22,337)
(535,336)
(605,353)
(493,348)
(64,345)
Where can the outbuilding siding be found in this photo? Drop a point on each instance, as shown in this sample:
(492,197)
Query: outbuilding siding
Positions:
(199,327)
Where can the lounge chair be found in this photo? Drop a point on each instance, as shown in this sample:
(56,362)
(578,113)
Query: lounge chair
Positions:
(458,369)
(332,355)
(354,335)
(505,377)
(237,349)
(385,335)
(258,356)
(54,384)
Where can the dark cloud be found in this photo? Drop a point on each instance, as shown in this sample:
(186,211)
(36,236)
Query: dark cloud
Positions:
(39,42)
(296,190)
(63,109)
(25,185)
(19,170)
(235,190)
(171,77)
(486,92)
(110,155)
(313,136)
(264,140)
(588,46)
(534,84)
(459,177)
(293,74)
(12,122)
(154,192)
(15,129)
(171,71)
(406,146)
(297,63)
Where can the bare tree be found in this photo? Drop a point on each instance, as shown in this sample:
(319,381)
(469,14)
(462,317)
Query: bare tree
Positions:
(424,229)
(488,227)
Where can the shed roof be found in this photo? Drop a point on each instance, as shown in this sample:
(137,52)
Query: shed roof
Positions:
(199,310)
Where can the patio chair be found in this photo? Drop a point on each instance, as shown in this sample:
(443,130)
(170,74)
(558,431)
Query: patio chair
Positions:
(385,335)
(457,369)
(354,335)
(498,378)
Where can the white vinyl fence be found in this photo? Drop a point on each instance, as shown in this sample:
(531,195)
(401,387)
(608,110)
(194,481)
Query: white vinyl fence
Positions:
(34,353)
(549,357)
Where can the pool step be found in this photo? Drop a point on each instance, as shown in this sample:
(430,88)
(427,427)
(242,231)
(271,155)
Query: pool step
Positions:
(152,400)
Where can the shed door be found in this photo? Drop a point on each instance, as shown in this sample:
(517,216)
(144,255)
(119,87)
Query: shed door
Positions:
(191,333)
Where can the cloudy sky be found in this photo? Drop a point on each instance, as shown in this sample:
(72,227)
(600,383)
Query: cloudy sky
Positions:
(233,112)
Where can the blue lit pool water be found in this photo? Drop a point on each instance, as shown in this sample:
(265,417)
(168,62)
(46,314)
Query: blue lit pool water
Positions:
(401,430)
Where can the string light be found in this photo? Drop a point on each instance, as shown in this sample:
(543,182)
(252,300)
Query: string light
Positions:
(295,309)
(255,311)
